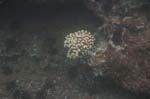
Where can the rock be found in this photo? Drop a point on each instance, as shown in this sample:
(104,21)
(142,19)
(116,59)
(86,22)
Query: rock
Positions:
(130,65)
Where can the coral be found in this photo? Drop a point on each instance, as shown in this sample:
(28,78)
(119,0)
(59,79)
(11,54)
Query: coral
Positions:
(126,58)
(78,43)
(129,67)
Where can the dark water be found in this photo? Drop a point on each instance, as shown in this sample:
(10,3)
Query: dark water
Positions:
(31,52)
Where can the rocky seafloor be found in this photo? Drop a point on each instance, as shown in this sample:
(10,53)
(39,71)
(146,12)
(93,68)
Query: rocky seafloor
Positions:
(33,63)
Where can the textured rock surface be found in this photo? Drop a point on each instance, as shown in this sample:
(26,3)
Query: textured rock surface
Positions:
(133,71)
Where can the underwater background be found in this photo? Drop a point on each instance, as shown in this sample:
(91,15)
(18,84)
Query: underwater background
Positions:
(33,62)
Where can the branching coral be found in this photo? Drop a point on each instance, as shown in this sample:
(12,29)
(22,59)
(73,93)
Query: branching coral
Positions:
(78,43)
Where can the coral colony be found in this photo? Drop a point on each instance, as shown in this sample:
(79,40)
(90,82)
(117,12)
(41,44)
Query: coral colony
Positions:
(78,43)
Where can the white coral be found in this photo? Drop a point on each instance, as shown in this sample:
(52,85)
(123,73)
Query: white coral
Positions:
(78,43)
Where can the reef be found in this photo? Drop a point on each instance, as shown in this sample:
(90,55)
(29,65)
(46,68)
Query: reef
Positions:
(126,56)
